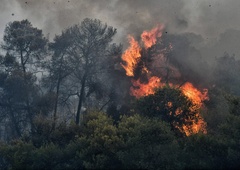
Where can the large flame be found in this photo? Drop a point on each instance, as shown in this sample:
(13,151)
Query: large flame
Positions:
(149,38)
(194,94)
(197,97)
(139,89)
(132,56)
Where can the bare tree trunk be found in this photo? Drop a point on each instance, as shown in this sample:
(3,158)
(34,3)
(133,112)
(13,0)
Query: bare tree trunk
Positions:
(56,104)
(57,93)
(81,97)
(23,65)
(30,115)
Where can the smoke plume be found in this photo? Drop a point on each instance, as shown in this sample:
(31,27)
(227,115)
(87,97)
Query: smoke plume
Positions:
(199,30)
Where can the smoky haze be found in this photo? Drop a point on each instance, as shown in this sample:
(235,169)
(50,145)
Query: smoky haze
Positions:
(180,15)
(212,27)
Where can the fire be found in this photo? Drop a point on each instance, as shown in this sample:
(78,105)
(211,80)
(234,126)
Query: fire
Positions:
(197,98)
(197,126)
(132,56)
(149,38)
(139,89)
(194,94)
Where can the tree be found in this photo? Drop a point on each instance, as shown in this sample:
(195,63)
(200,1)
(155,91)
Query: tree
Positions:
(24,42)
(149,143)
(171,105)
(99,142)
(13,101)
(24,46)
(205,152)
(225,73)
(89,49)
(59,68)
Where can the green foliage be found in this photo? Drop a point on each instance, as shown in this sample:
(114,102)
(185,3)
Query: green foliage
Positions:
(23,155)
(135,142)
(229,134)
(17,155)
(100,142)
(204,152)
(49,156)
(44,132)
(148,144)
(217,110)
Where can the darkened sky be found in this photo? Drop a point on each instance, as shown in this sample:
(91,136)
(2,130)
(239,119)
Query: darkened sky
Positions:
(212,19)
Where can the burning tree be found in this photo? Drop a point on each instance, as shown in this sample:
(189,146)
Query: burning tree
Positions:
(150,67)
(173,106)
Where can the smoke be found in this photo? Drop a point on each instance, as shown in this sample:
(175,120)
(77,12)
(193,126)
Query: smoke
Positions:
(199,30)
(128,16)
(208,18)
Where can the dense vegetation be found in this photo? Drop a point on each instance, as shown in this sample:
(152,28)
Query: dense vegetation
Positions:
(65,105)
(133,142)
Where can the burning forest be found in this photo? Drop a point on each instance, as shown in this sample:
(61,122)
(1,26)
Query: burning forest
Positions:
(144,82)
(119,84)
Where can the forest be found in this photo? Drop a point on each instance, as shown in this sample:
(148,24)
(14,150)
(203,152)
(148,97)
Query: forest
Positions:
(82,101)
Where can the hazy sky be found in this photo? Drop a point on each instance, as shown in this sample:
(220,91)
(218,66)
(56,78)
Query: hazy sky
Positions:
(212,19)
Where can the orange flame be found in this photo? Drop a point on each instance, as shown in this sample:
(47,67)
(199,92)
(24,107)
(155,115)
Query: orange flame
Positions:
(139,89)
(196,126)
(197,97)
(149,38)
(194,94)
(131,56)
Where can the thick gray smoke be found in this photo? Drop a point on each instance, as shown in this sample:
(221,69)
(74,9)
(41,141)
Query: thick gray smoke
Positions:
(207,18)
(128,16)
(212,20)
(203,17)
(208,28)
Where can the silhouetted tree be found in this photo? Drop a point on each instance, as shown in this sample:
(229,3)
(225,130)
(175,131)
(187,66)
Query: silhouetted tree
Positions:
(24,46)
(59,68)
(87,47)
